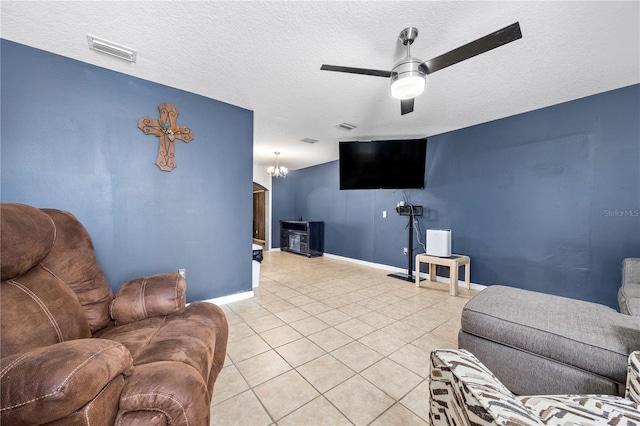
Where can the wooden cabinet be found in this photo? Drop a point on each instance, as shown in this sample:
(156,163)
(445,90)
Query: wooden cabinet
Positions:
(302,237)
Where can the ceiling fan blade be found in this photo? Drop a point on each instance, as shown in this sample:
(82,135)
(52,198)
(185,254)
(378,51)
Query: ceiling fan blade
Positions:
(469,50)
(365,71)
(406,106)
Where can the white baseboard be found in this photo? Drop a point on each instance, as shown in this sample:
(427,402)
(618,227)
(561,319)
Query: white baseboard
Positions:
(425,275)
(364,262)
(231,298)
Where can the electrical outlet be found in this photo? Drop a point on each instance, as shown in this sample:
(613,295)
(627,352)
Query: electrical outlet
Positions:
(384,213)
(406,251)
(183,272)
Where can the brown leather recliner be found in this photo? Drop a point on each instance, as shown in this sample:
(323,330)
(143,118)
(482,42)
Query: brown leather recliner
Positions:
(71,353)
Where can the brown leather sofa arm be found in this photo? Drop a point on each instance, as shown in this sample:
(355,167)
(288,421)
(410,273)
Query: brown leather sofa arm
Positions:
(51,382)
(180,399)
(153,296)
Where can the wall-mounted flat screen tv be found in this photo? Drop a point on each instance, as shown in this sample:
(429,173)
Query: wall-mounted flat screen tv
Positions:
(383,164)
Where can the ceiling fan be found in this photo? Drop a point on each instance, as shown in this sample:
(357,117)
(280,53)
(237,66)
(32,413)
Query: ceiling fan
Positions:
(408,77)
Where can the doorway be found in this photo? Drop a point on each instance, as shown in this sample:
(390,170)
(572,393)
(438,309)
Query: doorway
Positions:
(259,214)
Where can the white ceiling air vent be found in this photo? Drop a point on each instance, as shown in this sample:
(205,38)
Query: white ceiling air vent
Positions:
(346,126)
(111,48)
(308,140)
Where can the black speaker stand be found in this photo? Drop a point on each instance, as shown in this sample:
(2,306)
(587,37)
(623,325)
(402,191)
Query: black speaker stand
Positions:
(410,211)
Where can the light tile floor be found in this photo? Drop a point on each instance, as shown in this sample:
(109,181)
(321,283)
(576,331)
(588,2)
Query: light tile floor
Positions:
(331,342)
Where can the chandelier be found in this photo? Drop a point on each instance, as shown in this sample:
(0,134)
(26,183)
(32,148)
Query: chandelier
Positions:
(277,171)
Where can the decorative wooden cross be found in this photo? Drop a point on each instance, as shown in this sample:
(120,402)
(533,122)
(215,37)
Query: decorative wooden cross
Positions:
(165,127)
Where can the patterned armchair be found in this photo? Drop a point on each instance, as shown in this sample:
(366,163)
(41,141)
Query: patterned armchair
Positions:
(464,392)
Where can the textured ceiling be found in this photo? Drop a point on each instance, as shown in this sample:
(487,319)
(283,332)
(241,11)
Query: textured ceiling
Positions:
(266,57)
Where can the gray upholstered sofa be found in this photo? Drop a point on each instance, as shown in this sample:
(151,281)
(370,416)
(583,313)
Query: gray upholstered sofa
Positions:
(541,344)
(629,293)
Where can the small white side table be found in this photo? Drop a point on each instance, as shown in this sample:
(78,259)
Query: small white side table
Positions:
(453,262)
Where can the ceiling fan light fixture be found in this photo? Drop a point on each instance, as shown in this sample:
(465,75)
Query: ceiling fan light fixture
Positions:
(407,79)
(409,76)
(407,87)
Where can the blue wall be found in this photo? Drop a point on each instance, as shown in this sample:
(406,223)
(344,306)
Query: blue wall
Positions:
(547,200)
(70,140)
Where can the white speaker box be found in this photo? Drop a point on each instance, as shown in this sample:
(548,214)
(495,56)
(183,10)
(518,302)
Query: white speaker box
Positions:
(439,242)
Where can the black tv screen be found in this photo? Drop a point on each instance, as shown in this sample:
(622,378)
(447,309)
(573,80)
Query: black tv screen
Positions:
(383,164)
